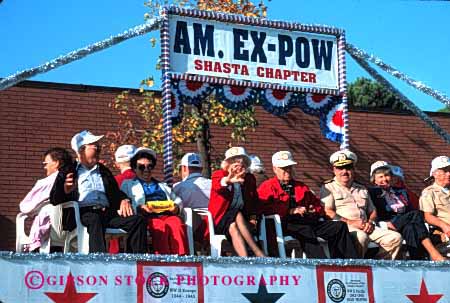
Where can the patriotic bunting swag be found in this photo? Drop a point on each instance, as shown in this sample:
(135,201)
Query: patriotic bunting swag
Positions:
(236,97)
(332,123)
(277,102)
(177,107)
(192,92)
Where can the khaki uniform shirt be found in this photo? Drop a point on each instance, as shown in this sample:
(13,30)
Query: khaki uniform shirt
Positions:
(436,200)
(351,203)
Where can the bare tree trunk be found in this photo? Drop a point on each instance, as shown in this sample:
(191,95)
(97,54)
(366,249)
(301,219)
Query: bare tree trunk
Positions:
(203,142)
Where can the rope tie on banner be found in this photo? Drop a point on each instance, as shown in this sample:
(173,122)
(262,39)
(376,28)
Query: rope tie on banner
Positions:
(139,30)
(359,53)
(408,103)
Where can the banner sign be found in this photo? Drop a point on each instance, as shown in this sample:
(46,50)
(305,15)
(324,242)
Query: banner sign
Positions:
(124,278)
(214,48)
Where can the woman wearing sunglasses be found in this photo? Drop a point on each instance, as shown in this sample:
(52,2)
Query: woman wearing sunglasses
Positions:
(153,200)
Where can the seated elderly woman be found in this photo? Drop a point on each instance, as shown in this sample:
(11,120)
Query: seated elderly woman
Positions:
(47,222)
(396,213)
(233,201)
(166,227)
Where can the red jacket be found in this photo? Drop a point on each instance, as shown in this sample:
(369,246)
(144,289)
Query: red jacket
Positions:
(274,200)
(126,175)
(222,196)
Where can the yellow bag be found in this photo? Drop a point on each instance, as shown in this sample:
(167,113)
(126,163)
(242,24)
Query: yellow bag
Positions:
(160,206)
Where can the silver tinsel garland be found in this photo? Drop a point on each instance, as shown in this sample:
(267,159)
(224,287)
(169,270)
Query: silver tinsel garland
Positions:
(359,53)
(9,81)
(409,104)
(220,260)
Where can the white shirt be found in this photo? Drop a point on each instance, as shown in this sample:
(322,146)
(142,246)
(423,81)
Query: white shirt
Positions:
(194,191)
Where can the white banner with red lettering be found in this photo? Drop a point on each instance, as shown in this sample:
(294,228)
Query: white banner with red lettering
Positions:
(254,53)
(77,278)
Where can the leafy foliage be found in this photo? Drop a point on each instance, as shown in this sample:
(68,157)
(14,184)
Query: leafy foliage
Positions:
(366,93)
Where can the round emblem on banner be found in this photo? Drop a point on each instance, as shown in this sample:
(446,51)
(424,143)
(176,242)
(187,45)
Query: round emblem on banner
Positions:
(336,290)
(157,285)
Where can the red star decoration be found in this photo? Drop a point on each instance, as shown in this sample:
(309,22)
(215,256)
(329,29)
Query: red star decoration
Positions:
(424,296)
(70,294)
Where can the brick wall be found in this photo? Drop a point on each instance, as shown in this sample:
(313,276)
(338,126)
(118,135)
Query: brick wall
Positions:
(38,115)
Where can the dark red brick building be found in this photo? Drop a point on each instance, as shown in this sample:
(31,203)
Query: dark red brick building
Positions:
(38,115)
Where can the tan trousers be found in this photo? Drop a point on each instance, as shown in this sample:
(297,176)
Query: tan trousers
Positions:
(390,241)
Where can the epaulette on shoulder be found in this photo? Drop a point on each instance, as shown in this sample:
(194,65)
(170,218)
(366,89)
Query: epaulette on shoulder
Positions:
(328,181)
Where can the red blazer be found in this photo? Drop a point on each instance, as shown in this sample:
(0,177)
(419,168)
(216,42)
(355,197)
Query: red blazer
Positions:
(222,196)
(274,200)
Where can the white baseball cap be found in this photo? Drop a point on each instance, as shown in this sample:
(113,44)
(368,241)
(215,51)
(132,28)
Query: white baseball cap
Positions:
(282,159)
(343,157)
(237,151)
(397,171)
(377,165)
(439,162)
(191,159)
(83,138)
(257,165)
(124,153)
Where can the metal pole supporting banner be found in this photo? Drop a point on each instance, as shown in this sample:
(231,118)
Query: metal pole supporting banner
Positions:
(345,144)
(166,97)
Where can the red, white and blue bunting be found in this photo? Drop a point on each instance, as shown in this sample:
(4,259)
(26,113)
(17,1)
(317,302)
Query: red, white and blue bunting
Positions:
(277,102)
(193,92)
(177,107)
(332,123)
(317,104)
(236,97)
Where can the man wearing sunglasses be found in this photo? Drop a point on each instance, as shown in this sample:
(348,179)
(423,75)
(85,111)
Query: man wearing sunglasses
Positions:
(102,204)
(346,200)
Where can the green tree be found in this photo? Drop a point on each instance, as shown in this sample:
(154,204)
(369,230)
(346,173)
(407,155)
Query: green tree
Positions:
(444,110)
(366,93)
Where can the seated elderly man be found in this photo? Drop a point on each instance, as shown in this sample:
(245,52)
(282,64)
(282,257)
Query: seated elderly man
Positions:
(257,169)
(348,201)
(435,199)
(194,189)
(301,212)
(102,204)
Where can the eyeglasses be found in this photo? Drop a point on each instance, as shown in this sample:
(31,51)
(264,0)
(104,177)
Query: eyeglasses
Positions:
(143,167)
(45,163)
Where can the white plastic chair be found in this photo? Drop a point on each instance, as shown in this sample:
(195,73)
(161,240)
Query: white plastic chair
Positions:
(283,240)
(82,234)
(187,212)
(23,239)
(215,241)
